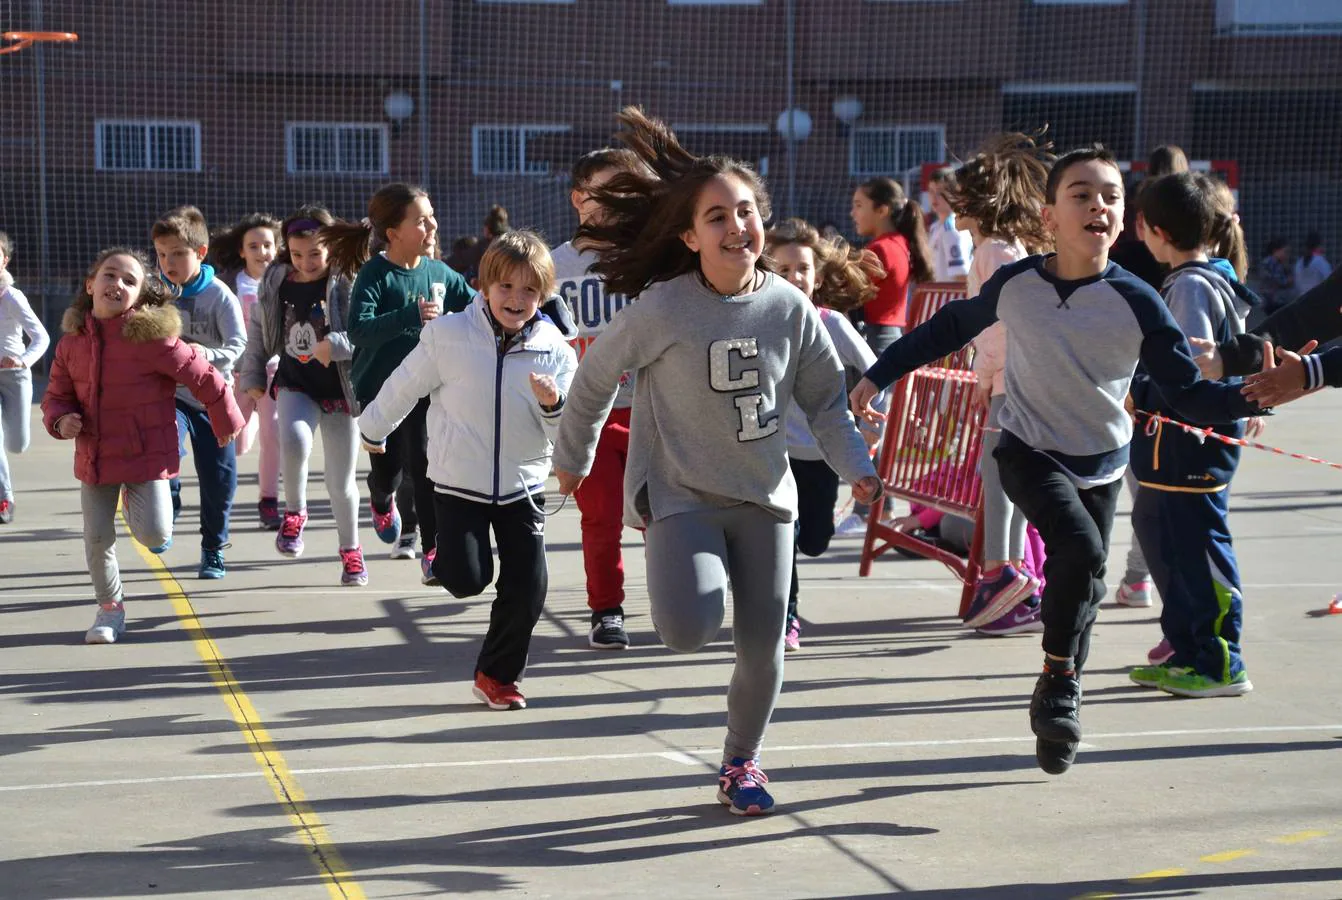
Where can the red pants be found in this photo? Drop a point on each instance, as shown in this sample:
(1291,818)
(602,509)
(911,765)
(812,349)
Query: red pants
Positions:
(601,502)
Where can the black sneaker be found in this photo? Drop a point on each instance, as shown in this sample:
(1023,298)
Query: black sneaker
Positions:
(608,632)
(1055,708)
(1054,757)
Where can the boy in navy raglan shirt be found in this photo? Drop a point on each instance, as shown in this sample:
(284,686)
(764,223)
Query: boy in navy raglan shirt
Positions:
(1077,326)
(212,321)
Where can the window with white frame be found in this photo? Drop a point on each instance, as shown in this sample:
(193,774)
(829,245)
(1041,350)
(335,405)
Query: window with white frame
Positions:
(503,149)
(335,148)
(1276,17)
(140,145)
(894,149)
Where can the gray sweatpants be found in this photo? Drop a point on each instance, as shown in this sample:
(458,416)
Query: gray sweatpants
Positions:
(149,514)
(690,558)
(1137,569)
(300,417)
(1003,524)
(16,401)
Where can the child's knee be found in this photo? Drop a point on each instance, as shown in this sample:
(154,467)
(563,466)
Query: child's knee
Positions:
(461,584)
(686,633)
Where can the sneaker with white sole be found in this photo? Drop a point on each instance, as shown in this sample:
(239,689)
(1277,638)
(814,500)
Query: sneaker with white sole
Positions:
(353,573)
(108,625)
(1188,683)
(1025,618)
(792,637)
(608,632)
(289,541)
(427,578)
(741,788)
(1136,595)
(405,548)
(850,526)
(998,593)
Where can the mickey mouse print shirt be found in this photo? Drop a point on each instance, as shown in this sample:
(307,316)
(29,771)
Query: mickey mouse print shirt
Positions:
(305,325)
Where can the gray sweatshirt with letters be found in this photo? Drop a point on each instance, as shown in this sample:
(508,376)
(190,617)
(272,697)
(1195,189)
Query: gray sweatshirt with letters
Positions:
(715,377)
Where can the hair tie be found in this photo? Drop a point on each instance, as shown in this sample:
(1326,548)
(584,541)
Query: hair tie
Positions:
(365,223)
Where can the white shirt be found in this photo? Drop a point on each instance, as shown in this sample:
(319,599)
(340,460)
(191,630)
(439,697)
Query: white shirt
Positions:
(16,320)
(1310,271)
(951,249)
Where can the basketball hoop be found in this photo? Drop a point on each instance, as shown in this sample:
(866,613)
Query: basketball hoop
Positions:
(25,39)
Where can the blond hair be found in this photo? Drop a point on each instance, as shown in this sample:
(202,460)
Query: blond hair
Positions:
(518,249)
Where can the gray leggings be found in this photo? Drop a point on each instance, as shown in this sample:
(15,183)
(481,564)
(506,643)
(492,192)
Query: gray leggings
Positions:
(690,558)
(149,514)
(1137,569)
(300,417)
(16,400)
(1003,523)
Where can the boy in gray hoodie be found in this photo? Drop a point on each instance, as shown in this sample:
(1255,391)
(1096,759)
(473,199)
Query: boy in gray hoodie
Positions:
(212,320)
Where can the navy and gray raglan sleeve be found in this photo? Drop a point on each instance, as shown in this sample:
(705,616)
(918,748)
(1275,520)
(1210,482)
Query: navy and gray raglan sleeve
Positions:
(1169,365)
(1315,316)
(954,325)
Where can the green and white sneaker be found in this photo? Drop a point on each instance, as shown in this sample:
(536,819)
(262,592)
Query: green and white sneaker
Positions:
(1154,676)
(1187,683)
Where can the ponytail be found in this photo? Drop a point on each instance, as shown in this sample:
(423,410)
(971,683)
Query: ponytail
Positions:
(350,244)
(906,218)
(1226,238)
(909,222)
(347,246)
(848,276)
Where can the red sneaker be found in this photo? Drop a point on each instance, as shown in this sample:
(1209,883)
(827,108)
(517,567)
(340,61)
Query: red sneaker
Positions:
(497,695)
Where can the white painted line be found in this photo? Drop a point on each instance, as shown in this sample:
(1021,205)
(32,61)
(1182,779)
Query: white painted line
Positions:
(685,757)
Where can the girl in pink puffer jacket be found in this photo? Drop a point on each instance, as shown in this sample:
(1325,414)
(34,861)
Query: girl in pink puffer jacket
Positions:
(111,389)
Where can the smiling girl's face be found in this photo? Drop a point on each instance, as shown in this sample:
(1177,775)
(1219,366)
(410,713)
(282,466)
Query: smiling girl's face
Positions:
(116,286)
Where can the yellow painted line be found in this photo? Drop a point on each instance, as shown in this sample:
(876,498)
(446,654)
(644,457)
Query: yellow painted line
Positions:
(1299,837)
(1227,855)
(1156,875)
(335,875)
(1096,895)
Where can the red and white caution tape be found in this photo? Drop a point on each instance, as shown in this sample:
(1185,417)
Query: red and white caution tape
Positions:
(1155,420)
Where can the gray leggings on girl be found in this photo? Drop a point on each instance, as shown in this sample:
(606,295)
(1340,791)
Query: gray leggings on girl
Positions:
(690,558)
(149,515)
(300,417)
(16,401)
(1003,523)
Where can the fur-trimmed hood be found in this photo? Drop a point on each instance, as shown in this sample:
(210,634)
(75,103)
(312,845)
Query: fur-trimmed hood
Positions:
(139,326)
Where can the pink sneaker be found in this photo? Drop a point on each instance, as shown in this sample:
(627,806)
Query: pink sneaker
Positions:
(426,568)
(387,524)
(1161,653)
(353,573)
(290,539)
(792,637)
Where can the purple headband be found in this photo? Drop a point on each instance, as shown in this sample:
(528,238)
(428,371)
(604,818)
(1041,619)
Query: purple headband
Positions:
(298,225)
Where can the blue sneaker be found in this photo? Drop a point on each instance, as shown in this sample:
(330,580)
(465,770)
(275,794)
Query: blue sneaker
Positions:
(161,548)
(211,565)
(741,788)
(387,524)
(998,594)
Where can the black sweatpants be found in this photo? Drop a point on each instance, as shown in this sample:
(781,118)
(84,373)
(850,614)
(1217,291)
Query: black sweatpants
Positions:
(465,566)
(407,456)
(817,493)
(1075,524)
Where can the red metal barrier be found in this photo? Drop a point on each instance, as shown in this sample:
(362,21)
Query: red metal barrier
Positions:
(930,452)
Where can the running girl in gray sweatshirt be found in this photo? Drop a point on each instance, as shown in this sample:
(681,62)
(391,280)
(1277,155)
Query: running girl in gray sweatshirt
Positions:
(721,347)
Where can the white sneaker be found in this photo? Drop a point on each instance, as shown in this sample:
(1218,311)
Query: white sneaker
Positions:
(851,525)
(1136,595)
(405,547)
(109,625)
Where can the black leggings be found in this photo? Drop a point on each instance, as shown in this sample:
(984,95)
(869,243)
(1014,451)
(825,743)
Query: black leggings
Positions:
(817,493)
(407,456)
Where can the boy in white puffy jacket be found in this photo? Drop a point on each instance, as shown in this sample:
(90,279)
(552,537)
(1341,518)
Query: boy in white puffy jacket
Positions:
(496,375)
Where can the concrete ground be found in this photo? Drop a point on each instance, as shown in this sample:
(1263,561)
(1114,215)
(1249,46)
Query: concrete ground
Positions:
(273,735)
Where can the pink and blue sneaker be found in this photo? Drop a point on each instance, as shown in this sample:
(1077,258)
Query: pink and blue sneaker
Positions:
(741,788)
(387,524)
(998,593)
